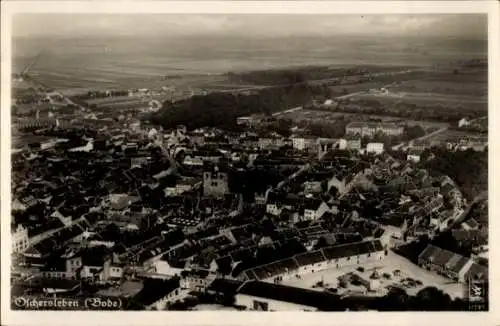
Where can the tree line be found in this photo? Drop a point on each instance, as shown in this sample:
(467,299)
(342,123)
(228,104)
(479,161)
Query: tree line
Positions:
(468,168)
(220,109)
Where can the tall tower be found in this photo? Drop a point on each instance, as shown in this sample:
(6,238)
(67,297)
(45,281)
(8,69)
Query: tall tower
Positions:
(215,182)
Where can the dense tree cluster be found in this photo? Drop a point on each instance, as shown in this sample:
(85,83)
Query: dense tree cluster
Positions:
(256,180)
(93,94)
(479,212)
(280,126)
(334,129)
(463,247)
(289,88)
(221,109)
(427,299)
(468,168)
(293,76)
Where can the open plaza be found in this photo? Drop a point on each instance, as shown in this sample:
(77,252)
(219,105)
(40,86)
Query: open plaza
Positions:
(393,270)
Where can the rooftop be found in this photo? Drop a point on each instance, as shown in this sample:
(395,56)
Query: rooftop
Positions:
(310,298)
(155,289)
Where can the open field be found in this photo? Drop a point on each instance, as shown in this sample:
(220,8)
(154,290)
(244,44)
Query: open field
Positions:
(471,88)
(426,97)
(429,106)
(186,84)
(456,135)
(388,265)
(124,99)
(65,83)
(20,85)
(325,116)
(31,108)
(458,87)
(153,61)
(339,90)
(137,104)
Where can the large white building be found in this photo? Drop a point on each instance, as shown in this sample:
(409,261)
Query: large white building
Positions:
(353,143)
(375,148)
(20,239)
(303,143)
(414,155)
(370,129)
(464,122)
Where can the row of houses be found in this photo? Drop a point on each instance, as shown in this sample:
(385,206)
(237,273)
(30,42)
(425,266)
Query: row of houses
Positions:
(450,264)
(314,261)
(370,129)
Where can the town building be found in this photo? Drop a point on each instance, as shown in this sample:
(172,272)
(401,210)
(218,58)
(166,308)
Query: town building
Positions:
(470,224)
(196,280)
(37,123)
(464,122)
(414,155)
(66,266)
(20,239)
(420,144)
(314,209)
(370,129)
(96,264)
(262,296)
(303,143)
(451,265)
(336,256)
(350,142)
(276,204)
(271,142)
(325,145)
(375,148)
(215,182)
(182,186)
(157,294)
(252,120)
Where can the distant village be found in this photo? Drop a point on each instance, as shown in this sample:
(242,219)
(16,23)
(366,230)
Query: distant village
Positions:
(104,204)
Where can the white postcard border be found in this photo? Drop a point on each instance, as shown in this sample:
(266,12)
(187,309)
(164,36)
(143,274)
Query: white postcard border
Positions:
(9,8)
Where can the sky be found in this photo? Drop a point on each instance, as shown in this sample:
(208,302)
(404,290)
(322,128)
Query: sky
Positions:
(79,25)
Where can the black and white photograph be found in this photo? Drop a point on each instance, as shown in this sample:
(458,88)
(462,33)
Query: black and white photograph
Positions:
(249,162)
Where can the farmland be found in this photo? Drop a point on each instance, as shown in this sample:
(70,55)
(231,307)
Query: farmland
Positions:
(124,101)
(417,98)
(450,87)
(422,86)
(444,93)
(456,135)
(317,116)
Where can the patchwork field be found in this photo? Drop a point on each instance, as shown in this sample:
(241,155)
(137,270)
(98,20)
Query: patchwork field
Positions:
(456,135)
(471,88)
(461,86)
(317,116)
(418,98)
